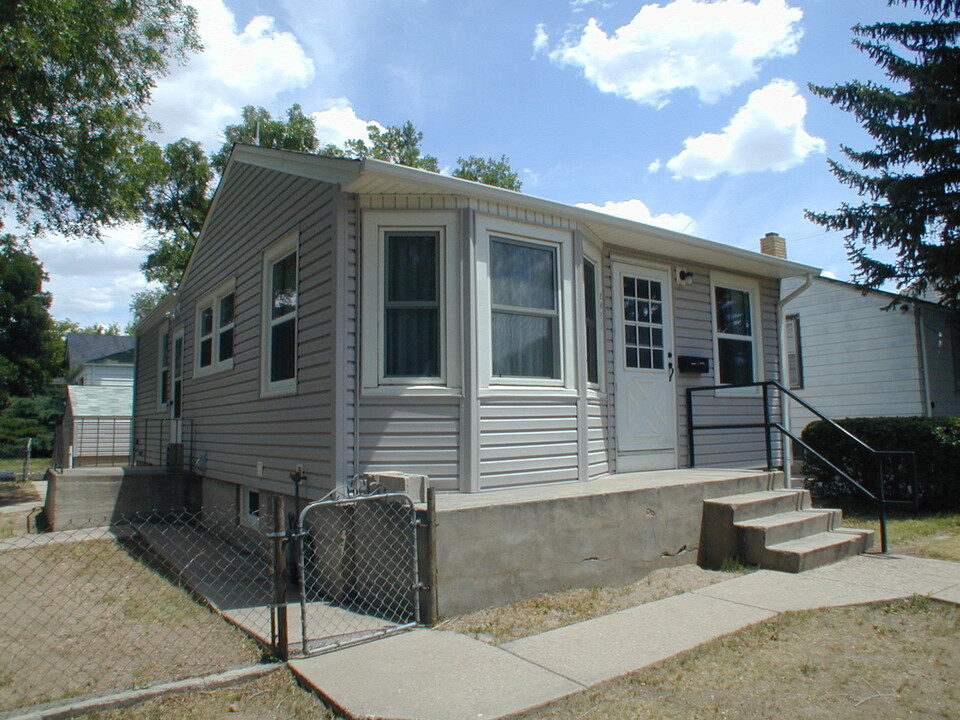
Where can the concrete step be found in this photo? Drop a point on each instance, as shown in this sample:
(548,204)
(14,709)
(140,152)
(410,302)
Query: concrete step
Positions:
(813,551)
(759,504)
(762,532)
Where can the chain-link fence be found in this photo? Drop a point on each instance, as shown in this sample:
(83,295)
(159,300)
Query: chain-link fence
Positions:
(358,562)
(16,460)
(157,597)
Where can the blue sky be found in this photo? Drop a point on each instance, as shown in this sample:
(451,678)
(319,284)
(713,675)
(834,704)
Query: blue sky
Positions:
(688,114)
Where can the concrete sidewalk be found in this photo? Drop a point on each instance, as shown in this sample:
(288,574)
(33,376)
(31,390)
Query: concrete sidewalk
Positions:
(438,675)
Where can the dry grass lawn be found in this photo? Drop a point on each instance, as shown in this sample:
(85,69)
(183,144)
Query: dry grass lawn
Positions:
(876,662)
(87,617)
(273,697)
(552,610)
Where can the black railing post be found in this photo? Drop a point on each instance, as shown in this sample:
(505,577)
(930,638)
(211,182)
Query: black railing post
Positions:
(768,439)
(882,500)
(690,444)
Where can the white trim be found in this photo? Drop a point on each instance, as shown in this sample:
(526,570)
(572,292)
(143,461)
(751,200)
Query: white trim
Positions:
(752,286)
(561,241)
(246,517)
(376,224)
(632,459)
(211,301)
(289,243)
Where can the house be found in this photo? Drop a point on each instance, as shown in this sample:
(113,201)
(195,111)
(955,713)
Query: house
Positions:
(856,353)
(100,359)
(356,317)
(96,427)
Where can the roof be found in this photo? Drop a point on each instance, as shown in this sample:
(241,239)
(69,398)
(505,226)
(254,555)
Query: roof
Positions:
(86,348)
(375,177)
(886,295)
(99,400)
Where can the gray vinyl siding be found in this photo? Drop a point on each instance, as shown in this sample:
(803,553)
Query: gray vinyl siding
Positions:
(233,424)
(738,448)
(415,436)
(599,447)
(527,441)
(693,335)
(453,202)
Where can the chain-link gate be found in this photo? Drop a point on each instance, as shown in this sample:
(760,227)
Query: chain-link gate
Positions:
(358,570)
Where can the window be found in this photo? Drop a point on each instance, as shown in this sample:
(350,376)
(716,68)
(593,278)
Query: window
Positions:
(590,320)
(524,309)
(280,317)
(163,379)
(410,302)
(794,358)
(215,321)
(411,307)
(736,337)
(250,514)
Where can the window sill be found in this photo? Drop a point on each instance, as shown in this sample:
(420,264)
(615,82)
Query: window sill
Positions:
(412,391)
(279,389)
(223,367)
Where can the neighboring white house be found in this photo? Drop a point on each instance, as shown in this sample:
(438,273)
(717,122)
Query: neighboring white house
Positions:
(96,427)
(358,316)
(856,354)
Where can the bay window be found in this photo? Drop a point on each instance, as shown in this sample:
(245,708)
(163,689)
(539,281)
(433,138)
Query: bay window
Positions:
(524,307)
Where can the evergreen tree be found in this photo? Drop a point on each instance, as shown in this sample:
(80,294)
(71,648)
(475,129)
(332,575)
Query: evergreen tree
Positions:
(910,182)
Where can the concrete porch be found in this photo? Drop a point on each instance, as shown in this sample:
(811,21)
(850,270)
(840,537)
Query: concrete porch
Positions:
(496,547)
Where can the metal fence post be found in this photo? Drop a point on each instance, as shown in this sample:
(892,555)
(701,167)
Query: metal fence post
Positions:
(281,628)
(26,459)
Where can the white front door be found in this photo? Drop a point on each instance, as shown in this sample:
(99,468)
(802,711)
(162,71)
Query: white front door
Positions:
(646,400)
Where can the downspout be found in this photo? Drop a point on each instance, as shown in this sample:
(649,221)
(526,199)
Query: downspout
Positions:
(357,233)
(922,357)
(787,446)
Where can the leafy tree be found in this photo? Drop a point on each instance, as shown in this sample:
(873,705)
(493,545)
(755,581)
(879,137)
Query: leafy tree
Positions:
(142,304)
(75,76)
(488,171)
(176,209)
(258,127)
(400,145)
(26,329)
(910,182)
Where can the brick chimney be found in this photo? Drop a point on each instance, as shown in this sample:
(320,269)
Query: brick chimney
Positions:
(773,244)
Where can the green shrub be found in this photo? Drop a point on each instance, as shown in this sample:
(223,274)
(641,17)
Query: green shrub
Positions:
(935,442)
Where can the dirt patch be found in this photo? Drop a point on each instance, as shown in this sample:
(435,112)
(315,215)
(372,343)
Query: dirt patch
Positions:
(273,697)
(87,617)
(873,662)
(12,493)
(552,610)
(17,523)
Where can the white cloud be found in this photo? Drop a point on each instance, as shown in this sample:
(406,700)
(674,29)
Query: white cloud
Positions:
(710,47)
(638,210)
(541,40)
(90,281)
(655,166)
(237,67)
(765,134)
(338,122)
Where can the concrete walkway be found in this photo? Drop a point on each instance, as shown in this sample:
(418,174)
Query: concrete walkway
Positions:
(438,675)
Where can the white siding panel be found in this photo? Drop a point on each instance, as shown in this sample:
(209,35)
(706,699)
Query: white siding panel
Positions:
(858,360)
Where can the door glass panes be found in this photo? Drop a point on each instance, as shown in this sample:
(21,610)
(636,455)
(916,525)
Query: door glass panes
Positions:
(643,323)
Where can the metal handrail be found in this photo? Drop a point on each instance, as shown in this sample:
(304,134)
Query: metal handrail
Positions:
(769,425)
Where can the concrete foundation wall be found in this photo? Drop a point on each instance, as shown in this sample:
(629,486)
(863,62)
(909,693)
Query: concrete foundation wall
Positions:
(92,497)
(492,550)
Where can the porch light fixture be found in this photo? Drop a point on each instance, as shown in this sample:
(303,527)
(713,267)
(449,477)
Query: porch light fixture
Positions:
(683,277)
